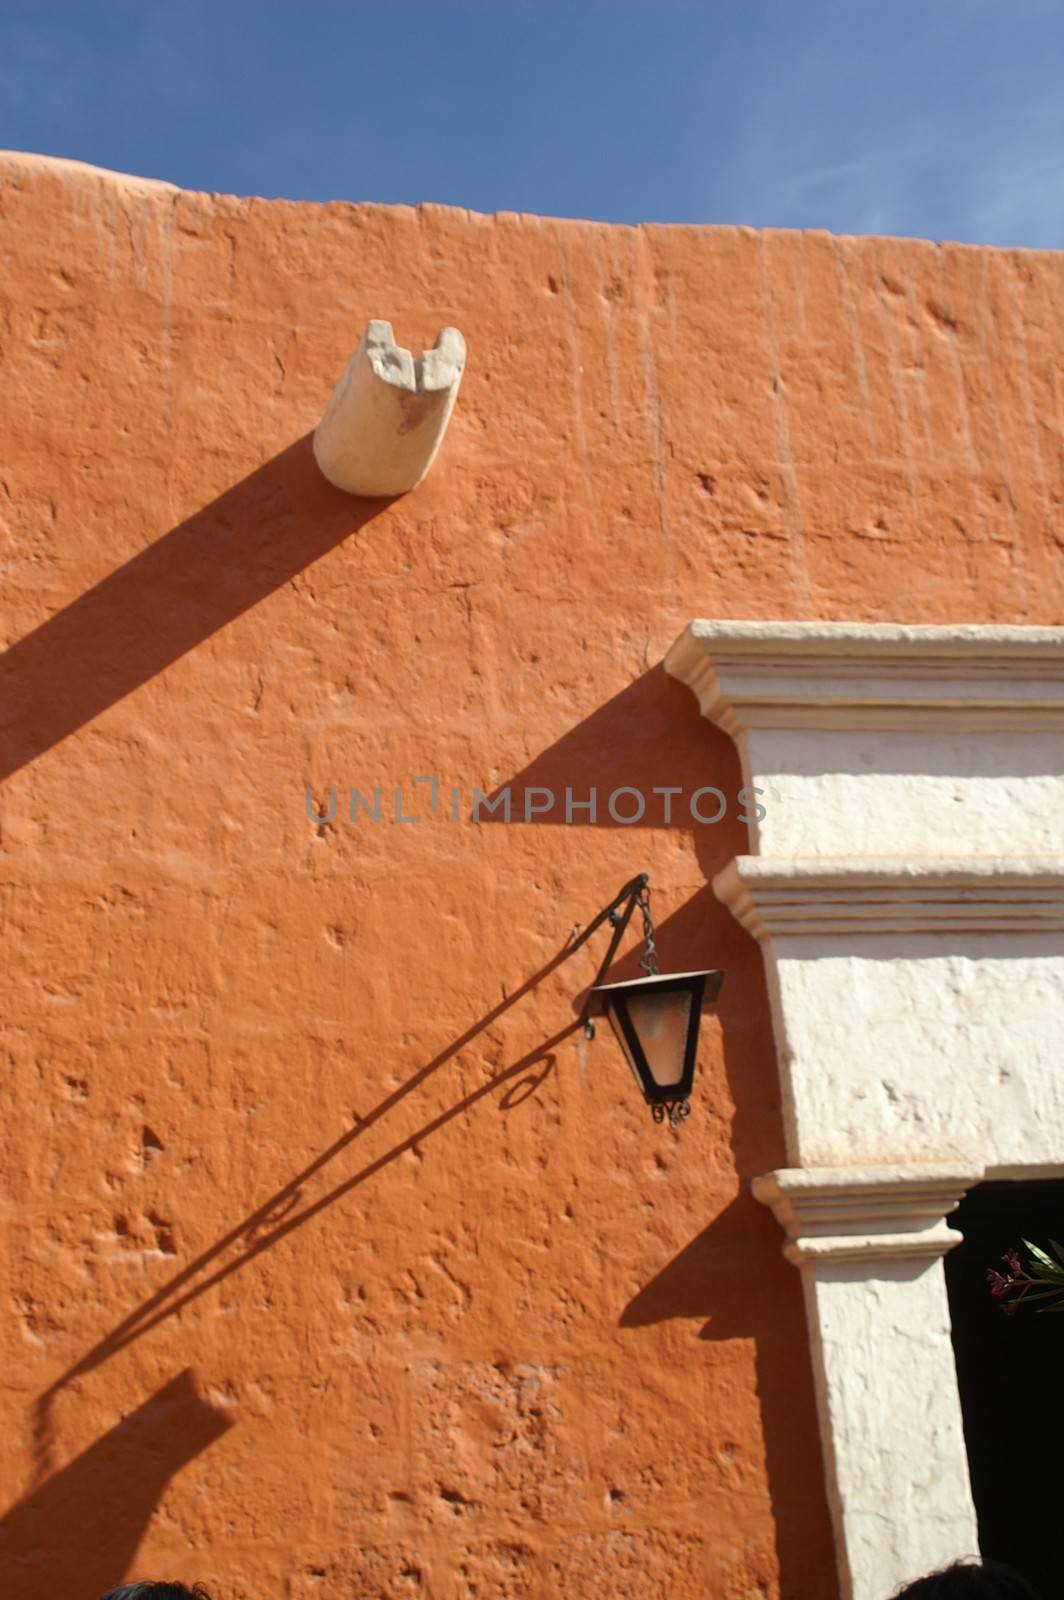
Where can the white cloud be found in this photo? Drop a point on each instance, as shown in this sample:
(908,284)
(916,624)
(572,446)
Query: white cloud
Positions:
(937,174)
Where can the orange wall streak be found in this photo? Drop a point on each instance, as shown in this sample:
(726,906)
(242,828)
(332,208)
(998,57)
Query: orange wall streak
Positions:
(338,1264)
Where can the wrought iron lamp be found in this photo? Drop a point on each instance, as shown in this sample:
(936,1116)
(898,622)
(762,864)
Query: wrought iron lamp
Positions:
(656,1018)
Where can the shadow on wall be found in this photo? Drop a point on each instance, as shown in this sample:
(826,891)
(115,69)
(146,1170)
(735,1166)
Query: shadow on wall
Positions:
(78,1532)
(77,1535)
(37,1545)
(161,604)
(734,1275)
(650,736)
(295,1203)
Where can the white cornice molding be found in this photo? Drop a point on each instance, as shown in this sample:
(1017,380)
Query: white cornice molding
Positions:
(832,675)
(850,1213)
(885,895)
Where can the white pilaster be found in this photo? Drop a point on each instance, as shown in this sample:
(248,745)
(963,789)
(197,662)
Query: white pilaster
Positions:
(907,888)
(868,1243)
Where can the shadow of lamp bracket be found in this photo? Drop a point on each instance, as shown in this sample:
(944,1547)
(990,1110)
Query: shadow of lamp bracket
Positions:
(655,1019)
(387,416)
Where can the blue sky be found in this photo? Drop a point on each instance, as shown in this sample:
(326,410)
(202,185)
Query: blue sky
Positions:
(939,118)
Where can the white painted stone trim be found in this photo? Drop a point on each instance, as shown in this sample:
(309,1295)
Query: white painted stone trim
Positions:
(796,897)
(872,741)
(872,675)
(387,416)
(906,884)
(848,1213)
(894,1457)
(868,1243)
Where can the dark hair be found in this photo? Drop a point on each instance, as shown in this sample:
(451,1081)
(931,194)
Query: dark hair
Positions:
(970,1581)
(157,1591)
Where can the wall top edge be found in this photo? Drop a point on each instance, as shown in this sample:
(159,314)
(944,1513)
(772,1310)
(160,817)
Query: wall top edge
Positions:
(28,162)
(15,163)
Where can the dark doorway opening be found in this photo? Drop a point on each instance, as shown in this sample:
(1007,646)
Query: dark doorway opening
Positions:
(1011,1379)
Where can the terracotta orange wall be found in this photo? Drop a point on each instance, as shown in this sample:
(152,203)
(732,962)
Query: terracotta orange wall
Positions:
(337,1263)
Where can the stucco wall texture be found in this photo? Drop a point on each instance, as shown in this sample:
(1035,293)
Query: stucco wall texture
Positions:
(337,1263)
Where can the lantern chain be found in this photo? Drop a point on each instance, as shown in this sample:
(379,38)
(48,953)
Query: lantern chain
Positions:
(649,961)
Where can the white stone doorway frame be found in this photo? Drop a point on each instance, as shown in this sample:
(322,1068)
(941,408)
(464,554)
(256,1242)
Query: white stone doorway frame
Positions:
(907,887)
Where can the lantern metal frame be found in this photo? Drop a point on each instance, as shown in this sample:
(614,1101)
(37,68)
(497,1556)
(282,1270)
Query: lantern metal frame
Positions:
(612,1000)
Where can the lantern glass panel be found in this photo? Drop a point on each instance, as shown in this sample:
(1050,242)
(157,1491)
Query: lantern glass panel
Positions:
(661,1021)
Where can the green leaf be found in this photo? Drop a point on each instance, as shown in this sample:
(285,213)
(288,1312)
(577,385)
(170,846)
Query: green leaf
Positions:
(1058,1251)
(1044,1275)
(1043,1266)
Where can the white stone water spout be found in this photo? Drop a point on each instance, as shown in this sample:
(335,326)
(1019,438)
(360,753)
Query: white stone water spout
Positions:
(387,416)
